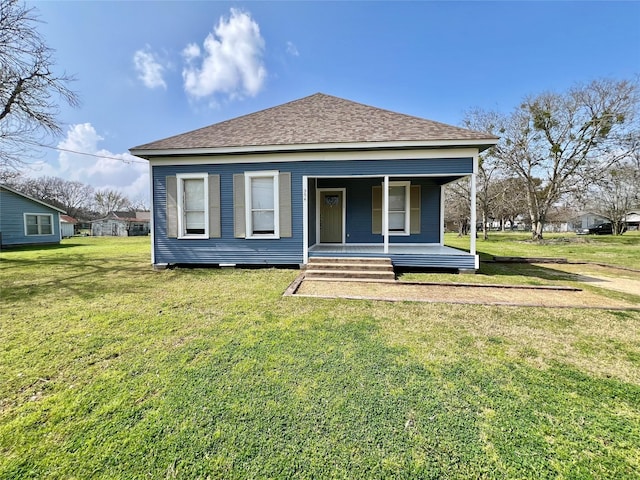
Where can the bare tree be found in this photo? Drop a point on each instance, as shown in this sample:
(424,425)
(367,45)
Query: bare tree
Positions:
(9,176)
(41,188)
(107,200)
(616,192)
(557,142)
(509,201)
(73,197)
(489,167)
(458,205)
(29,87)
(139,205)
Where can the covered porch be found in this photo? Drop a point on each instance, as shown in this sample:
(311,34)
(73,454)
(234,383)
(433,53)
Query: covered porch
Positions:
(399,217)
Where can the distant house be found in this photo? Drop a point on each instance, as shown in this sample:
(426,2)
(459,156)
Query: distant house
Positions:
(67,226)
(587,220)
(632,220)
(560,219)
(122,224)
(27,221)
(316,177)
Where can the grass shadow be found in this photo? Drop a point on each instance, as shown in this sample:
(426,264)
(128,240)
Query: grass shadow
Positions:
(37,248)
(531,271)
(82,277)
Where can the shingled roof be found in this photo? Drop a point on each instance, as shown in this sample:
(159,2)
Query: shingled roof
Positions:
(318,119)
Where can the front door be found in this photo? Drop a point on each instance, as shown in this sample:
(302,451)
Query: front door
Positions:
(331,212)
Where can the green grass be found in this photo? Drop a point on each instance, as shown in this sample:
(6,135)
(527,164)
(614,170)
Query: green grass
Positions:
(617,251)
(111,370)
(621,250)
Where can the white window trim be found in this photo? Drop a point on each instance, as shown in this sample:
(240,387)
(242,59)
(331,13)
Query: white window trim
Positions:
(53,228)
(275,175)
(181,177)
(407,208)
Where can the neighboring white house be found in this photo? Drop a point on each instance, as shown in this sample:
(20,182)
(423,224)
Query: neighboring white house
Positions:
(632,220)
(122,224)
(587,220)
(590,219)
(67,226)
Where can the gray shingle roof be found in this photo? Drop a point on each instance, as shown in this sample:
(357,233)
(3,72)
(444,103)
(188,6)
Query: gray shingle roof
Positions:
(316,119)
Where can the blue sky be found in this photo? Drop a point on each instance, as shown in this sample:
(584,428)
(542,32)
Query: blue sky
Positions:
(148,70)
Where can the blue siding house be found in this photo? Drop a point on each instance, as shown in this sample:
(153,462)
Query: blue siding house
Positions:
(27,221)
(319,176)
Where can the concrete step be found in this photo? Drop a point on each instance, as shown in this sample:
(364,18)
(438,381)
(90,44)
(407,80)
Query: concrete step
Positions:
(341,274)
(379,267)
(362,269)
(348,279)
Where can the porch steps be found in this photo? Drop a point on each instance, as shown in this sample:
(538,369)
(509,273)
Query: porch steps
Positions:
(352,269)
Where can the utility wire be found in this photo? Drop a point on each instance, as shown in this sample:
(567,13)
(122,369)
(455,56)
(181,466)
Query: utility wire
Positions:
(85,153)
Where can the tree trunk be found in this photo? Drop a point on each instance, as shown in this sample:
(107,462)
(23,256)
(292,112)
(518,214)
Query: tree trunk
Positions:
(537,214)
(485,234)
(463,227)
(536,230)
(617,227)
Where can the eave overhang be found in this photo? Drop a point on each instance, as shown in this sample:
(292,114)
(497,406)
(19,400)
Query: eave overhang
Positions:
(480,144)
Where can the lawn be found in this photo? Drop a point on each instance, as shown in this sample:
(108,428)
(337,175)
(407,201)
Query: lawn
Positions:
(621,250)
(111,370)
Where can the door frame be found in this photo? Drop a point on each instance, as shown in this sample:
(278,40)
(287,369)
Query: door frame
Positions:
(319,191)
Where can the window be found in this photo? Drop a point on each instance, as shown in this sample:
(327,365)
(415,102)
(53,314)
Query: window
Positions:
(193,215)
(262,201)
(399,208)
(38,224)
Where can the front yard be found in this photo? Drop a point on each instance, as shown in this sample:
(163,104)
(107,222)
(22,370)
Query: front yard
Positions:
(111,370)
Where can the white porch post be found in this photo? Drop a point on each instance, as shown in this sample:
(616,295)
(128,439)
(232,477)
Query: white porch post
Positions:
(472,246)
(385,213)
(305,220)
(152,228)
(442,215)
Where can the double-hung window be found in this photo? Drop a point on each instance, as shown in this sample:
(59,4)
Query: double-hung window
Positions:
(38,224)
(193,199)
(262,204)
(399,208)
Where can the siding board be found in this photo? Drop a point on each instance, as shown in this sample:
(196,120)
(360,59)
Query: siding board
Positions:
(12,229)
(232,247)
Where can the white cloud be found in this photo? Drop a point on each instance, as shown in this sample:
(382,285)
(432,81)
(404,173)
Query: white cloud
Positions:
(230,61)
(149,68)
(191,52)
(292,49)
(116,171)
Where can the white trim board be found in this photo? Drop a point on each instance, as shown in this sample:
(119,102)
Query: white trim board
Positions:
(319,147)
(170,158)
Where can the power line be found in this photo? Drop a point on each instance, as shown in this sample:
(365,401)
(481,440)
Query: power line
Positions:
(87,154)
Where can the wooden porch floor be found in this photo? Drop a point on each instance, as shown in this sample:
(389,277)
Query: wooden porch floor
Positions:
(376,249)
